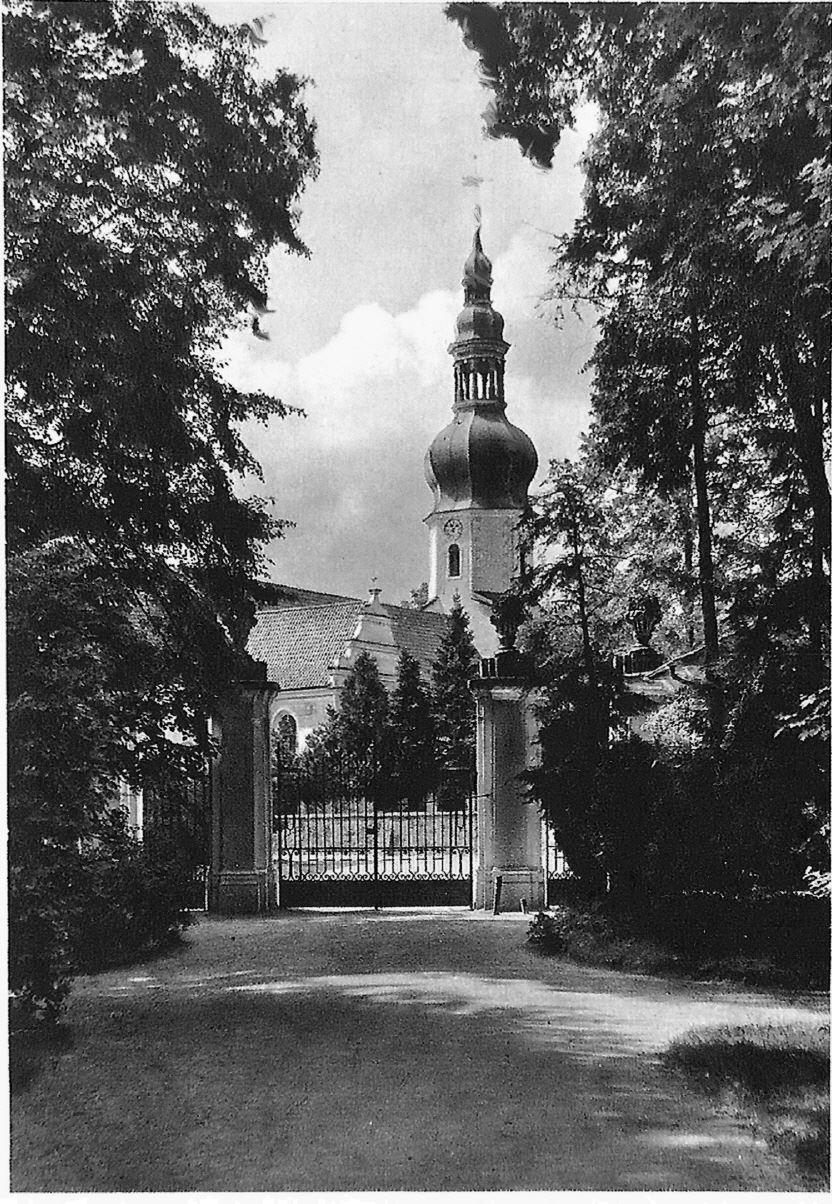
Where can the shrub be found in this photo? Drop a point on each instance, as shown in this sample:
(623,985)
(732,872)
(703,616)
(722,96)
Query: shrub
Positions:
(128,900)
(591,935)
(546,932)
(778,940)
(765,938)
(80,910)
(39,942)
(720,797)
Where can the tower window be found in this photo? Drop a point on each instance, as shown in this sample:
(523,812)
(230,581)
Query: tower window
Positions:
(453,560)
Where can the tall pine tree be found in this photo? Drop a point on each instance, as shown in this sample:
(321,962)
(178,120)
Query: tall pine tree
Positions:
(412,734)
(361,727)
(454,707)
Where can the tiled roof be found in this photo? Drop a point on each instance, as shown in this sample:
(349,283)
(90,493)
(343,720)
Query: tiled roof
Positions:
(301,635)
(269,594)
(299,643)
(419,631)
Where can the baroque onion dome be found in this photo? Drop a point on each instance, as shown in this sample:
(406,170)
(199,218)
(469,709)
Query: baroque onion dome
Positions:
(479,461)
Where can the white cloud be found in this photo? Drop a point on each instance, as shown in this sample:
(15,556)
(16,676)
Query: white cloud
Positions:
(521,275)
(429,327)
(368,379)
(374,349)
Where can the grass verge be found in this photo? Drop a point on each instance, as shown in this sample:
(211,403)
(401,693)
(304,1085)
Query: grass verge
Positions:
(594,934)
(590,936)
(774,1075)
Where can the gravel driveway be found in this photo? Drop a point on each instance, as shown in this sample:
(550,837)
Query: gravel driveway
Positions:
(399,1051)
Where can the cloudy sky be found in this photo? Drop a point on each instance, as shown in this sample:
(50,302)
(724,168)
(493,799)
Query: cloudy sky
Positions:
(360,331)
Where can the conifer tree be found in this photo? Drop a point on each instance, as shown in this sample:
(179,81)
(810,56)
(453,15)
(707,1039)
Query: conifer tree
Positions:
(360,726)
(412,733)
(454,704)
(363,710)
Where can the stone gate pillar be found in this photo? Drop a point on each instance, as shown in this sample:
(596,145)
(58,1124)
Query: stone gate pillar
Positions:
(242,878)
(509,833)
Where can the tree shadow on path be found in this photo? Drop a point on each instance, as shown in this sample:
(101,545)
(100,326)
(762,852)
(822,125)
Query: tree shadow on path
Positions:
(384,1080)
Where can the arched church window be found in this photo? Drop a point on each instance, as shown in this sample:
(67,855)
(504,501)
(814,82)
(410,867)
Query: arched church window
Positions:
(286,734)
(453,560)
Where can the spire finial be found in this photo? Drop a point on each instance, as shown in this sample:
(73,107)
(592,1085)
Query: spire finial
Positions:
(476,276)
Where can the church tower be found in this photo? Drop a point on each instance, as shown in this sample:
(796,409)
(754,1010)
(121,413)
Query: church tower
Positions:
(479,467)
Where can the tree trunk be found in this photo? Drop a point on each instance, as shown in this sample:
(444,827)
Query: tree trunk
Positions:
(819,605)
(589,659)
(684,512)
(703,508)
(600,716)
(688,555)
(807,392)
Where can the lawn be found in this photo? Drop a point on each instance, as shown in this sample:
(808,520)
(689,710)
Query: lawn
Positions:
(776,1076)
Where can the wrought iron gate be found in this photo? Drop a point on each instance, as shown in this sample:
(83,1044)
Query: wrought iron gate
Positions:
(177,820)
(561,883)
(342,840)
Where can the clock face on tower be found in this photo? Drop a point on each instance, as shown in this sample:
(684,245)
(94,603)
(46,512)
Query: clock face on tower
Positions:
(453,528)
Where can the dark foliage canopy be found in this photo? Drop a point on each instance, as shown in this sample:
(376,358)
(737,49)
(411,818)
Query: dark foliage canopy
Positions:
(363,710)
(703,243)
(703,251)
(148,173)
(412,732)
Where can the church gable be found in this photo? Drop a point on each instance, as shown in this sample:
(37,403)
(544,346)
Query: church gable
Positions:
(305,636)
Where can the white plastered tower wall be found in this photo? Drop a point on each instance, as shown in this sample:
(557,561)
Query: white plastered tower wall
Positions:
(479,468)
(488,560)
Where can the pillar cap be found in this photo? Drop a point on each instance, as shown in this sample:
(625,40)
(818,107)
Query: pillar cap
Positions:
(254,675)
(507,666)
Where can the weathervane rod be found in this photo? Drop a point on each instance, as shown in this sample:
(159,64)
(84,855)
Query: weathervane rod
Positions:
(474,180)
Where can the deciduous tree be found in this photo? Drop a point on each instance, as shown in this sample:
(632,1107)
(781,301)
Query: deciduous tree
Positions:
(148,172)
(704,235)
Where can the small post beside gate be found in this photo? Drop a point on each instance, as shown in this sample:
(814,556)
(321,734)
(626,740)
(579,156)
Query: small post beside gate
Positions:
(377,901)
(472,792)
